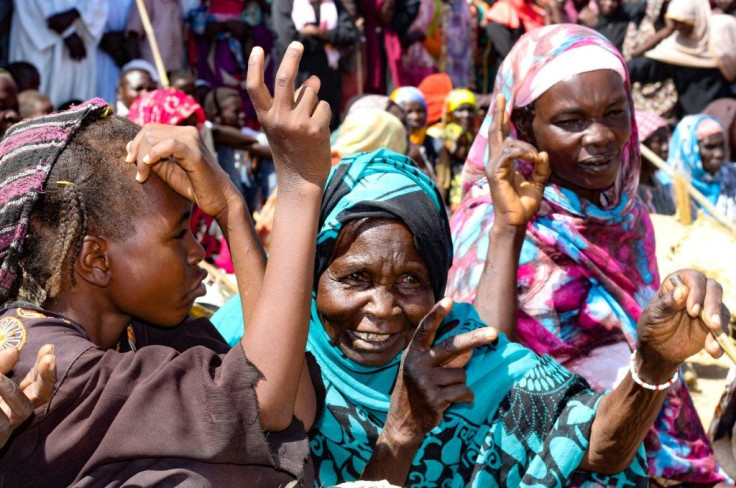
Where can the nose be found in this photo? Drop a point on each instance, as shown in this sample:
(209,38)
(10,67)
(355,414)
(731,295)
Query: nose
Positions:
(381,303)
(598,134)
(195,251)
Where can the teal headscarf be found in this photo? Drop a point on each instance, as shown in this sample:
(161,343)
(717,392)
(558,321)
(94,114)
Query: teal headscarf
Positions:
(685,156)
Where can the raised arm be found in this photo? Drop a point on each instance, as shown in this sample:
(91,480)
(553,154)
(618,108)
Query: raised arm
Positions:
(515,202)
(276,303)
(673,327)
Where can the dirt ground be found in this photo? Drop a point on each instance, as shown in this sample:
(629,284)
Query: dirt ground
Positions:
(710,383)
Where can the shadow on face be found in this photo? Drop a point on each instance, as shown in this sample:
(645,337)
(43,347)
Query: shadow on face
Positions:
(374,292)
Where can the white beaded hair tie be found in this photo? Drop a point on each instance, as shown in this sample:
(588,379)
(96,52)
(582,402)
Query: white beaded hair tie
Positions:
(644,384)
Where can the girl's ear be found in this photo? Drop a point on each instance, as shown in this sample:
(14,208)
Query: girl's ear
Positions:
(92,264)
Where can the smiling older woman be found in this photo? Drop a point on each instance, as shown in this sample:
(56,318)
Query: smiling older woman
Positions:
(587,265)
(407,396)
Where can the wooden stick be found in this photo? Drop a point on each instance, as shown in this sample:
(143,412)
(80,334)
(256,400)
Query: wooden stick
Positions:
(219,276)
(152,41)
(697,196)
(723,340)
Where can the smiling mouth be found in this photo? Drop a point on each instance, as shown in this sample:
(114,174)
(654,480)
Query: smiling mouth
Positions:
(598,162)
(371,337)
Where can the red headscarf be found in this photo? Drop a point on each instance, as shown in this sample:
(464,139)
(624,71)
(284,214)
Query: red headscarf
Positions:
(165,106)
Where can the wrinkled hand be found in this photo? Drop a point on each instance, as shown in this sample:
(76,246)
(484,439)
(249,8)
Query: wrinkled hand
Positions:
(431,378)
(515,199)
(74,43)
(298,129)
(179,157)
(672,328)
(62,21)
(18,401)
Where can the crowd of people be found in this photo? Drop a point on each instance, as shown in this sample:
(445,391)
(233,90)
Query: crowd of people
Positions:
(466,293)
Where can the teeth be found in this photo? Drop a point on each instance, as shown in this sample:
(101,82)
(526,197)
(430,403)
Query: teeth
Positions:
(367,336)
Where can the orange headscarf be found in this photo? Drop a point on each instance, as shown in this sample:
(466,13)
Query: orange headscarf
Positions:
(435,88)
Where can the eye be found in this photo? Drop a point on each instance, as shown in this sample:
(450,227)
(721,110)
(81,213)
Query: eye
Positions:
(355,277)
(573,123)
(181,234)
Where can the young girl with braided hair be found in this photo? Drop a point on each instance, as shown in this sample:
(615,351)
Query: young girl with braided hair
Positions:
(96,258)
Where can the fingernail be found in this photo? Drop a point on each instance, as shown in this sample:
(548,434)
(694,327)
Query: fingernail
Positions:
(146,158)
(680,292)
(255,51)
(295,45)
(716,319)
(137,177)
(696,309)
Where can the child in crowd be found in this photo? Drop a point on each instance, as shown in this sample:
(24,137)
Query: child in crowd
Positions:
(135,80)
(8,102)
(33,103)
(96,247)
(243,153)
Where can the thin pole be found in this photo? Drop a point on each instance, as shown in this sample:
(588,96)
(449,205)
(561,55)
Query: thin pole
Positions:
(154,45)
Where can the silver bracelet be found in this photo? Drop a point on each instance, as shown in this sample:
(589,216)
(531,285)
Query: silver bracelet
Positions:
(644,384)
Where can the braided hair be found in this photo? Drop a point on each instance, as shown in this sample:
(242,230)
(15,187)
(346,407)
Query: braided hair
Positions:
(91,189)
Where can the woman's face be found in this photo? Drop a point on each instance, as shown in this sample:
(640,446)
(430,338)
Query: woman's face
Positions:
(659,142)
(464,116)
(584,123)
(713,153)
(416,115)
(374,293)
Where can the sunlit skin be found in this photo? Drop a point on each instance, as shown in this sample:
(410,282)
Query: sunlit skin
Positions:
(134,84)
(464,116)
(583,123)
(713,152)
(378,284)
(416,115)
(8,104)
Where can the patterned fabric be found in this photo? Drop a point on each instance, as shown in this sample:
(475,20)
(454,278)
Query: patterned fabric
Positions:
(529,424)
(165,106)
(648,123)
(586,270)
(458,55)
(684,156)
(27,154)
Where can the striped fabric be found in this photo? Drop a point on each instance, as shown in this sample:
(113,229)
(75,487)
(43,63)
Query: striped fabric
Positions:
(27,154)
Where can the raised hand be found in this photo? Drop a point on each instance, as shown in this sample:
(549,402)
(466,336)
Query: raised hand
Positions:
(18,401)
(178,156)
(297,127)
(676,323)
(431,378)
(515,199)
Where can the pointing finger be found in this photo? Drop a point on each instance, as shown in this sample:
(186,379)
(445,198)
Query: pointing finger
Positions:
(425,333)
(455,346)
